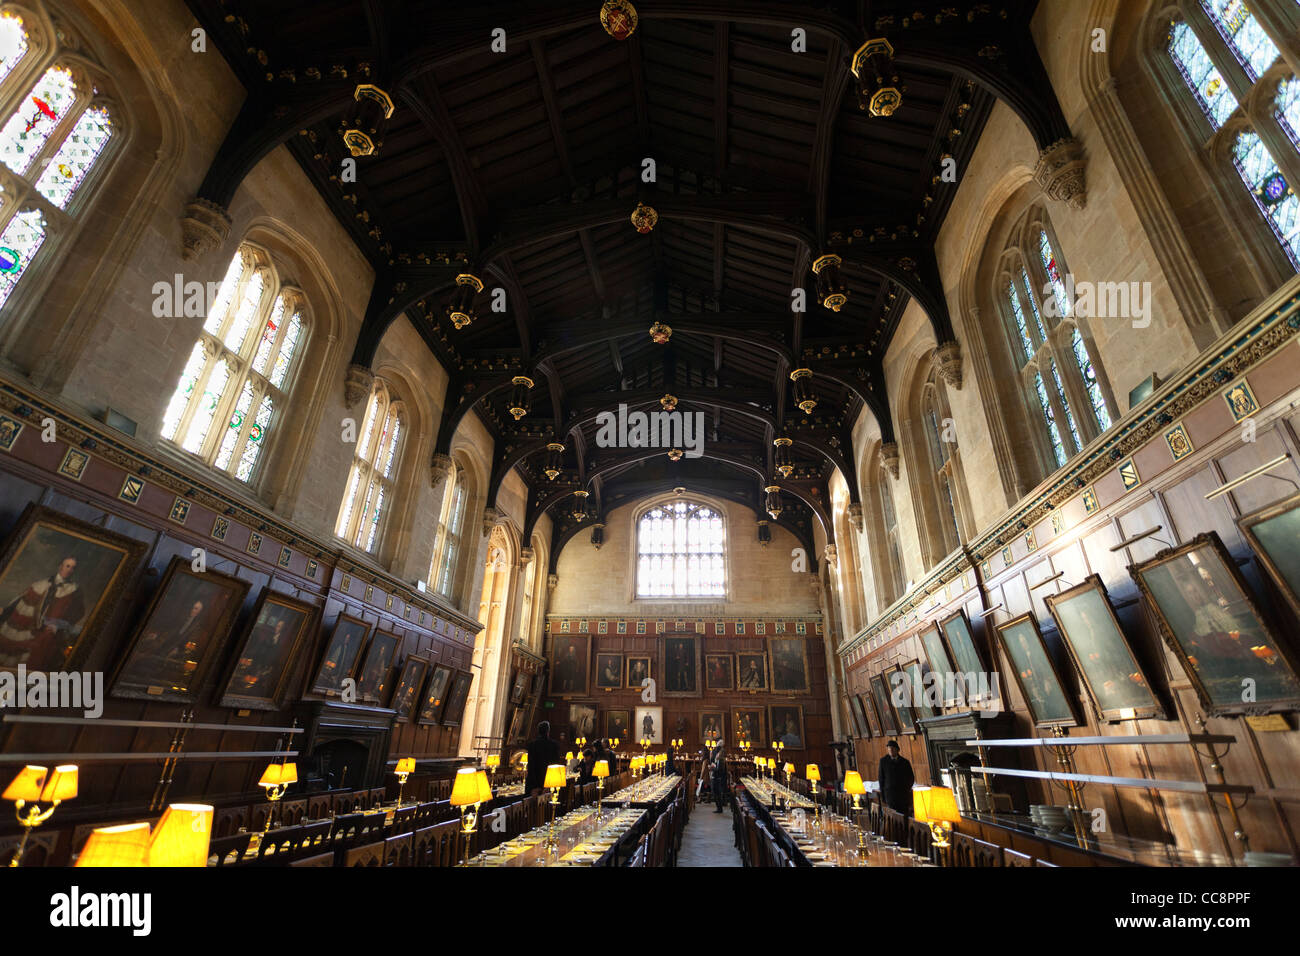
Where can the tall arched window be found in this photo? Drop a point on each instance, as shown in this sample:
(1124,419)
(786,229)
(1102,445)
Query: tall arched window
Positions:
(1232,71)
(374,466)
(1058,375)
(894,550)
(681,551)
(451,525)
(240,370)
(941,442)
(55,141)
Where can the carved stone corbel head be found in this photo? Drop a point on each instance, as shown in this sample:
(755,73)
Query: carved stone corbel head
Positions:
(947,360)
(1061,172)
(889,458)
(856,517)
(357,385)
(490,518)
(441,467)
(204,227)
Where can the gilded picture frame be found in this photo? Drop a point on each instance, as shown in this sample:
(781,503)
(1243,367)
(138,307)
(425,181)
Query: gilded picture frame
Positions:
(259,672)
(1051,703)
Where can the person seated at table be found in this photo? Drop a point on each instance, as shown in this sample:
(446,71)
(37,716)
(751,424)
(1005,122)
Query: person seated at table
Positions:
(719,774)
(587,767)
(542,752)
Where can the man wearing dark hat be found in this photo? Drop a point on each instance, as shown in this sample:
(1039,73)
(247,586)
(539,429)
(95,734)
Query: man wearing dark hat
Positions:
(542,752)
(896,779)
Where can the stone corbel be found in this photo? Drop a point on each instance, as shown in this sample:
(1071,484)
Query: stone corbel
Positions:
(204,227)
(856,517)
(830,554)
(526,556)
(357,385)
(490,518)
(947,359)
(552,582)
(1061,172)
(889,458)
(440,468)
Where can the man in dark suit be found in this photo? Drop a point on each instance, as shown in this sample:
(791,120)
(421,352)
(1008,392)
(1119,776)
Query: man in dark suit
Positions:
(719,777)
(542,752)
(896,779)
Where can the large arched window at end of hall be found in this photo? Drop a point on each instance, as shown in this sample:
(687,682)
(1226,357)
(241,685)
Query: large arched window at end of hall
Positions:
(237,379)
(1060,380)
(58,133)
(374,468)
(1243,103)
(681,551)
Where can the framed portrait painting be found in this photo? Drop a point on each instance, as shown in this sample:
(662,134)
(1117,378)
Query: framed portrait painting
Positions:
(936,652)
(570,665)
(968,657)
(680,654)
(262,665)
(187,621)
(787,725)
(435,695)
(638,669)
(713,726)
(751,671)
(1115,679)
(927,699)
(582,720)
(901,695)
(1208,617)
(408,687)
(374,677)
(719,672)
(869,711)
(1050,703)
(749,724)
(884,706)
(342,652)
(60,580)
(618,725)
(609,671)
(457,695)
(859,718)
(1274,535)
(649,724)
(519,687)
(789,657)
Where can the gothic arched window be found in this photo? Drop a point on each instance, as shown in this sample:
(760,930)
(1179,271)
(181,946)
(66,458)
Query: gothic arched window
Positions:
(240,370)
(58,130)
(681,551)
(451,526)
(1232,70)
(374,466)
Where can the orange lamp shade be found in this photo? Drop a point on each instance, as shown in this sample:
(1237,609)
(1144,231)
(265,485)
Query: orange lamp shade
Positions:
(60,785)
(853,783)
(813,772)
(568,756)
(279,774)
(484,787)
(122,846)
(27,785)
(405,765)
(493,760)
(942,806)
(601,769)
(555,777)
(523,760)
(464,791)
(181,836)
(921,804)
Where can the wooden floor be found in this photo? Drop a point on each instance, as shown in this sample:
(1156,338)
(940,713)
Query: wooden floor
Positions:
(708,839)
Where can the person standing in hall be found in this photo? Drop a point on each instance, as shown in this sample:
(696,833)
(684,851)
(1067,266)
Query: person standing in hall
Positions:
(719,777)
(542,752)
(896,779)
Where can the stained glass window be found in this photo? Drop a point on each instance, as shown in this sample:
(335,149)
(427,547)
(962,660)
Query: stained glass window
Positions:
(1090,383)
(256,439)
(1065,405)
(450,534)
(206,406)
(1275,197)
(681,550)
(19,243)
(1018,314)
(372,469)
(13,42)
(1049,416)
(1059,291)
(1287,107)
(1200,74)
(76,156)
(36,118)
(1243,34)
(1033,304)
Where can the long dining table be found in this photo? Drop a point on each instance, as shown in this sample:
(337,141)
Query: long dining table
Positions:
(582,837)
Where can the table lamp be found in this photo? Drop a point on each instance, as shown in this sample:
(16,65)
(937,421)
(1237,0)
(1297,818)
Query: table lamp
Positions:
(813,773)
(467,792)
(405,767)
(554,782)
(491,761)
(125,845)
(789,770)
(937,808)
(181,836)
(600,772)
(523,766)
(276,781)
(853,785)
(44,791)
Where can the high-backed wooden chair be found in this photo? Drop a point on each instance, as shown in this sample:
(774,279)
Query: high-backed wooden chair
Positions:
(1016,858)
(370,854)
(320,806)
(292,812)
(278,844)
(228,850)
(345,802)
(229,820)
(422,847)
(444,841)
(375,797)
(315,837)
(320,859)
(258,814)
(639,854)
(397,850)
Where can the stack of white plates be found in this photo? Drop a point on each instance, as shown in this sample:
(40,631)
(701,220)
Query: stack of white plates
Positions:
(1049,818)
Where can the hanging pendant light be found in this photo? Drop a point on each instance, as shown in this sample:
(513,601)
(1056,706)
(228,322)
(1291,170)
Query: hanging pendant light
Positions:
(554,460)
(784,456)
(580,506)
(461,307)
(773,502)
(675,454)
(660,333)
(369,114)
(520,402)
(597,535)
(764,533)
(879,91)
(644,218)
(803,391)
(668,402)
(832,293)
(619,18)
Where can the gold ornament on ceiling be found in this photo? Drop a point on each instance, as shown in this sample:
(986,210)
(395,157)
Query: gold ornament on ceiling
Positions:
(619,18)
(660,333)
(644,218)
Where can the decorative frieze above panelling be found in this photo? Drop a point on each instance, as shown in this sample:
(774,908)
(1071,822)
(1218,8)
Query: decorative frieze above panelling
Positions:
(713,626)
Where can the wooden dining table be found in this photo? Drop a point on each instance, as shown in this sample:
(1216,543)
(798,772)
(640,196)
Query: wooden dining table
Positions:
(833,840)
(582,838)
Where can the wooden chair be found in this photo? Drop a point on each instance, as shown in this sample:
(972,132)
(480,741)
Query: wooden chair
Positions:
(422,847)
(320,859)
(403,821)
(320,806)
(315,837)
(278,844)
(292,812)
(345,803)
(228,850)
(424,814)
(371,854)
(443,839)
(1015,858)
(258,814)
(375,797)
(1038,862)
(639,854)
(39,851)
(229,821)
(397,850)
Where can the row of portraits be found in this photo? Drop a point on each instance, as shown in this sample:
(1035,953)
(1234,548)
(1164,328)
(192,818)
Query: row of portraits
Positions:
(682,670)
(1198,599)
(757,726)
(61,578)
